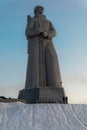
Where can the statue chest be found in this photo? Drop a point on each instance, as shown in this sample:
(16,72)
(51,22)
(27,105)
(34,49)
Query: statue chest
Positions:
(43,24)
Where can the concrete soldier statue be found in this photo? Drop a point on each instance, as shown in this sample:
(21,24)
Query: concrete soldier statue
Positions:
(43,79)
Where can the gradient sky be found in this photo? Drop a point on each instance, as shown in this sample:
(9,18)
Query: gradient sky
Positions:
(69,17)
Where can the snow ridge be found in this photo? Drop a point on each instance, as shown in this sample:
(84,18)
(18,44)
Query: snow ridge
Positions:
(19,116)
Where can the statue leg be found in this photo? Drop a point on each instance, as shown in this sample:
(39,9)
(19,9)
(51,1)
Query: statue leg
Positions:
(52,67)
(32,77)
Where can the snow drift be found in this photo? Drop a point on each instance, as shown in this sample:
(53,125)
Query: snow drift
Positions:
(19,116)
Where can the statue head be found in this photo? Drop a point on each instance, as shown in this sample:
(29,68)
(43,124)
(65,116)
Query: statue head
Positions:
(38,9)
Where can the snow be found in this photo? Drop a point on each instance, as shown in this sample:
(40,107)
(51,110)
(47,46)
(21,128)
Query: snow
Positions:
(19,116)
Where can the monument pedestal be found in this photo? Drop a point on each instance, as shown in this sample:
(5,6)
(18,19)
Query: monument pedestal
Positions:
(43,95)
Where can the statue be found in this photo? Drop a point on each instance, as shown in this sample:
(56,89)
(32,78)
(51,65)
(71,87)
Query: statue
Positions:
(43,73)
(43,68)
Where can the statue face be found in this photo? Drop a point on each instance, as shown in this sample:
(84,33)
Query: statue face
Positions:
(38,10)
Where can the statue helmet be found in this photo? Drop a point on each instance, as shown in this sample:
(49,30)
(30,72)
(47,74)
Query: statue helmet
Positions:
(37,8)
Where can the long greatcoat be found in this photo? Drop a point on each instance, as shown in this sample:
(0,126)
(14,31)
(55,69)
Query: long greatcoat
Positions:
(43,68)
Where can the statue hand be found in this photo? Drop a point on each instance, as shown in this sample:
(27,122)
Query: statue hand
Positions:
(45,34)
(40,30)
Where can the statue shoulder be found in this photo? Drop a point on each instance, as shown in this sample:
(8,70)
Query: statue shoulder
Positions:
(51,25)
(29,18)
(49,21)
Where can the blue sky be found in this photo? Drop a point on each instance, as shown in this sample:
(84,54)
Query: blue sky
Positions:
(69,17)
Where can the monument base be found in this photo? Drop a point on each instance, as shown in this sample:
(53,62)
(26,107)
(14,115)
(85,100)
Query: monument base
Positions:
(43,95)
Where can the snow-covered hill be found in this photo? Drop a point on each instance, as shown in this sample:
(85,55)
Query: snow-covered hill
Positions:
(19,116)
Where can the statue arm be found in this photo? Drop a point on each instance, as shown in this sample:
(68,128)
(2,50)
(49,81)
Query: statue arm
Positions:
(52,31)
(27,27)
(33,32)
(30,30)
